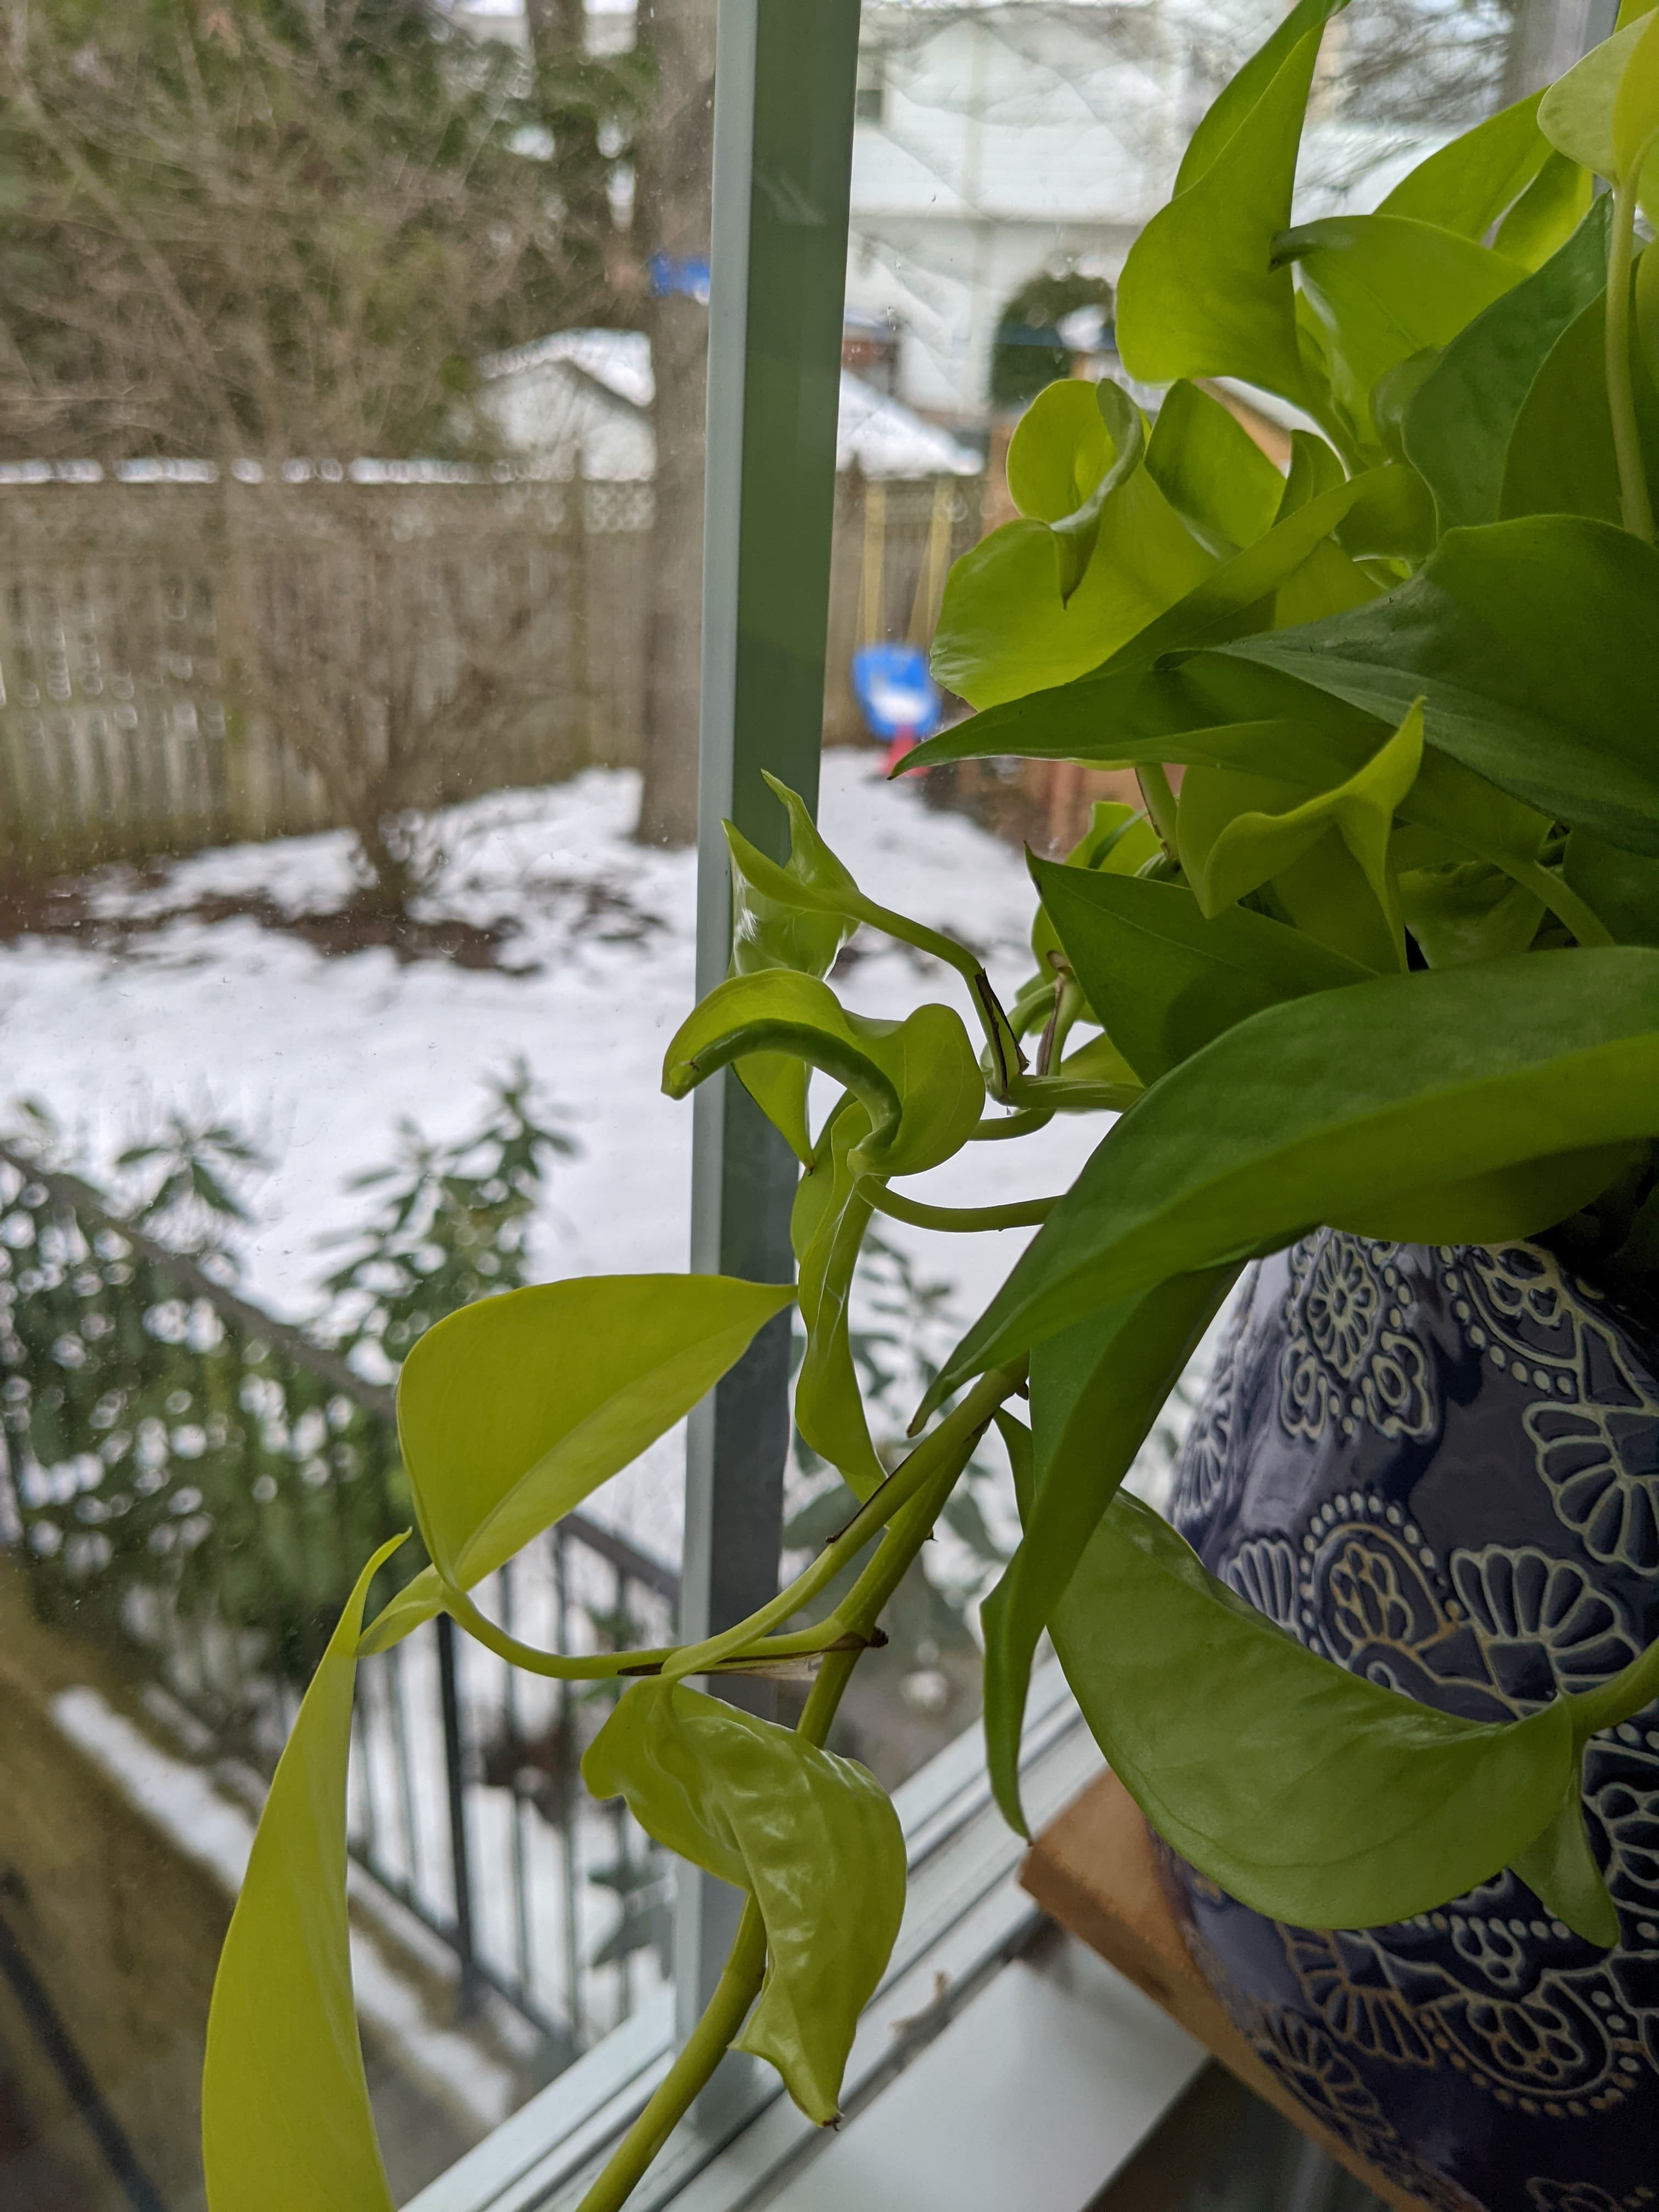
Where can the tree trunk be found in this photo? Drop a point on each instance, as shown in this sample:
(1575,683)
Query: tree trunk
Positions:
(1545,39)
(672,220)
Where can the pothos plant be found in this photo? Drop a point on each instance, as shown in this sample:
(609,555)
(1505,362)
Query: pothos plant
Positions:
(1382,957)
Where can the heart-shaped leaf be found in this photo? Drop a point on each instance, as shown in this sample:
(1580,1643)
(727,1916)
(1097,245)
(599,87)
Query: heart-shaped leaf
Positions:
(1309,1793)
(512,1410)
(1212,472)
(285,2111)
(812,1838)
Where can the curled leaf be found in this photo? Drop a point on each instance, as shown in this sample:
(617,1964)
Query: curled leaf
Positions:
(811,1837)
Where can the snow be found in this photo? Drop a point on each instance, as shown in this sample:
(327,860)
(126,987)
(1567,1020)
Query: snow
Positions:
(322,1058)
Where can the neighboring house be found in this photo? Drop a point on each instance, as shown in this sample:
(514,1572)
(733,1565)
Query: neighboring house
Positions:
(999,140)
(578,404)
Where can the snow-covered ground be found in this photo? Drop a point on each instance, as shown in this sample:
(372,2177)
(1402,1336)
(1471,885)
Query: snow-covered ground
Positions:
(319,1058)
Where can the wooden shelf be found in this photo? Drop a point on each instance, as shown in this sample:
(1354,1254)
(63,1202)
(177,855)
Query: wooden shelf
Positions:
(1094,1872)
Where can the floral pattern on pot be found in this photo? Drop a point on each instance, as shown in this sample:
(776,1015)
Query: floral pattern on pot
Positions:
(1440,1468)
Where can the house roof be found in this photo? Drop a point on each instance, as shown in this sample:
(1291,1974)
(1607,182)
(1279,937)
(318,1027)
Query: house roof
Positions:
(588,392)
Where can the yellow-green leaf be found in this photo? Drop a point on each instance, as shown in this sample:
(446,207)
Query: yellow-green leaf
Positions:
(285,2113)
(811,1837)
(512,1410)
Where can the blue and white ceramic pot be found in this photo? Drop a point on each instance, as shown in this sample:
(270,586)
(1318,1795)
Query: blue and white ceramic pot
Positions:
(1440,1467)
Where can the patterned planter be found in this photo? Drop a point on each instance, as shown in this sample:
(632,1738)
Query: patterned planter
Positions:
(1440,1467)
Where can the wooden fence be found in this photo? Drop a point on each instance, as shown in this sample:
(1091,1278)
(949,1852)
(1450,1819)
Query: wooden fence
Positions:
(193,664)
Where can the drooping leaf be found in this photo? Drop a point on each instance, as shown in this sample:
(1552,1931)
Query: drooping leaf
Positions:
(1559,1868)
(1532,645)
(811,1837)
(1164,979)
(1458,428)
(1385,287)
(1096,1391)
(1238,832)
(513,1410)
(1517,1088)
(1309,1793)
(1212,472)
(285,2111)
(1561,458)
(1467,186)
(1200,295)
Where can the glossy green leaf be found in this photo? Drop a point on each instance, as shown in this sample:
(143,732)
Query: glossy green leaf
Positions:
(1518,1085)
(1164,979)
(285,2113)
(1074,447)
(1577,114)
(1467,186)
(1006,627)
(1622,888)
(1096,1391)
(827,1228)
(1531,645)
(1461,911)
(512,1410)
(1559,1868)
(1561,458)
(1200,295)
(1458,428)
(1636,106)
(1385,287)
(1309,1793)
(1547,212)
(1238,832)
(1212,472)
(1120,840)
(812,1838)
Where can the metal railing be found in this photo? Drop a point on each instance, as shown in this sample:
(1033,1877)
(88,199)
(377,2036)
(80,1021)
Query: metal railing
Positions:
(198,1482)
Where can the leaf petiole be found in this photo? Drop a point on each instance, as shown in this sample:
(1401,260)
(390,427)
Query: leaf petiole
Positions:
(959,1220)
(1634,497)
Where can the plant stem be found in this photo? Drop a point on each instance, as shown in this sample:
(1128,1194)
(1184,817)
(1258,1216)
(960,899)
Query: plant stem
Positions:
(1154,780)
(912,1476)
(707,2045)
(741,1981)
(598,1666)
(1634,499)
(1025,1123)
(1024,1213)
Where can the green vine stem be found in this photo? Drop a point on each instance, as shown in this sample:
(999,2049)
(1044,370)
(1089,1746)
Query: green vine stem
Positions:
(745,1966)
(961,1220)
(1634,497)
(600,1666)
(996,1128)
(1155,788)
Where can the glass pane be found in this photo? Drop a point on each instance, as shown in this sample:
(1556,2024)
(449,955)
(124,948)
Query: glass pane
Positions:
(348,626)
(1005,158)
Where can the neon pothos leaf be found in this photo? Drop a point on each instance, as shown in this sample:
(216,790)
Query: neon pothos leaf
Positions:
(285,2111)
(511,1411)
(1467,186)
(1200,295)
(1096,1391)
(812,1838)
(1075,444)
(1531,645)
(827,1227)
(1309,1793)
(1518,1086)
(1212,472)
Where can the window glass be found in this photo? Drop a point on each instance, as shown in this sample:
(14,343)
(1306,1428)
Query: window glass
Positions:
(1016,150)
(348,606)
